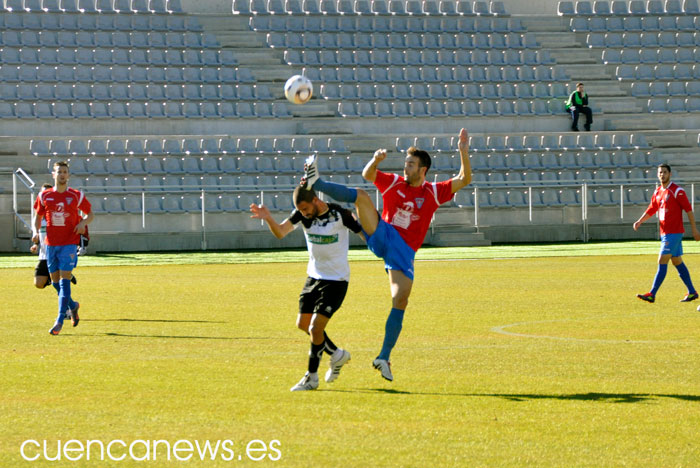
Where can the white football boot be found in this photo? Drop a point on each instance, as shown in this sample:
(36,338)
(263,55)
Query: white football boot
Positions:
(308,382)
(338,359)
(384,366)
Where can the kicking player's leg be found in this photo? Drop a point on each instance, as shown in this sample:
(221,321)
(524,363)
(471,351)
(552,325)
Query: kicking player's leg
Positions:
(366,211)
(685,276)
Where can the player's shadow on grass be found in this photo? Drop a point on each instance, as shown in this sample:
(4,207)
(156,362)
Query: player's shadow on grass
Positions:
(187,337)
(601,397)
(151,320)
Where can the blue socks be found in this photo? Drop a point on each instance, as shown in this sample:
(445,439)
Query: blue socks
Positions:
(57,287)
(337,192)
(659,278)
(391,332)
(685,276)
(64,300)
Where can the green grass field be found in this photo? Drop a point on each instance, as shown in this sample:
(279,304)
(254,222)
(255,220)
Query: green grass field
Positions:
(546,361)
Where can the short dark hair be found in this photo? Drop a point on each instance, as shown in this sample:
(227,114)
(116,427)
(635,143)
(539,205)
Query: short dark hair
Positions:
(302,194)
(46,186)
(423,156)
(668,168)
(60,164)
(579,84)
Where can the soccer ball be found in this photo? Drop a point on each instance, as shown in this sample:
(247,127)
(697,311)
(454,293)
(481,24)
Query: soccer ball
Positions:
(298,89)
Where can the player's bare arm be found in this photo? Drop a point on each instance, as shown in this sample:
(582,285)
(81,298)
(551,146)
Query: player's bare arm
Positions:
(464,177)
(279,230)
(640,221)
(80,227)
(370,170)
(694,229)
(37,227)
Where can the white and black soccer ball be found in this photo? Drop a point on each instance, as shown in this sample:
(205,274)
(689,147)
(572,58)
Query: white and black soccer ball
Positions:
(298,89)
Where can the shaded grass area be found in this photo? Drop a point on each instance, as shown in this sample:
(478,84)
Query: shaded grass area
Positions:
(588,377)
(358,254)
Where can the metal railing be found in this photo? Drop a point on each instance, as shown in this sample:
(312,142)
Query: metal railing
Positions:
(22,179)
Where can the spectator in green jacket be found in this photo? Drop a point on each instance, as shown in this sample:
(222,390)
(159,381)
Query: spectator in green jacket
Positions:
(578,104)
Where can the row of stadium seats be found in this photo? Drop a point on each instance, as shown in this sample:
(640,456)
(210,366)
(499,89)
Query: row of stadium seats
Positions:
(657,72)
(399,24)
(443,91)
(451,108)
(101,22)
(234,202)
(213,182)
(661,88)
(440,74)
(241,201)
(496,162)
(621,7)
(368,7)
(650,56)
(133,92)
(399,57)
(134,146)
(642,40)
(120,180)
(160,183)
(93,6)
(551,197)
(123,74)
(140,109)
(673,105)
(212,146)
(520,143)
(105,56)
(333,41)
(102,39)
(634,24)
(551,160)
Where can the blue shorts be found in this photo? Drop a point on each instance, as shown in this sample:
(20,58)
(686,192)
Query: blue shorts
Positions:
(61,257)
(387,243)
(672,244)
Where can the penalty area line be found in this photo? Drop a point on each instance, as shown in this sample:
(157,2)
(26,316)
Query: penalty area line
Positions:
(502,331)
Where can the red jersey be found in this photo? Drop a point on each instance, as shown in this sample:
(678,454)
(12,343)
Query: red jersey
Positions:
(60,209)
(410,209)
(670,202)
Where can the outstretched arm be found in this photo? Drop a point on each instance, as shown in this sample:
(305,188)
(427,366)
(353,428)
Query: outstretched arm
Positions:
(370,170)
(464,177)
(277,229)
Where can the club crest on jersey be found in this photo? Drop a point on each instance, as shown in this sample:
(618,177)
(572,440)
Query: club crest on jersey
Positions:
(69,200)
(419,202)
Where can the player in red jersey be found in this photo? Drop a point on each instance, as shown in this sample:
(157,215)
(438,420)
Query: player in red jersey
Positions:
(396,235)
(60,208)
(670,201)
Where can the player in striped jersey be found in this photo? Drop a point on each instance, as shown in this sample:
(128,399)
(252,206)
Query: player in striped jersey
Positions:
(325,228)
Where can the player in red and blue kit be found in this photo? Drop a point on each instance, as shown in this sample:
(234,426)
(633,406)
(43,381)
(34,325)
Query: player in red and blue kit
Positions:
(670,201)
(396,235)
(61,207)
